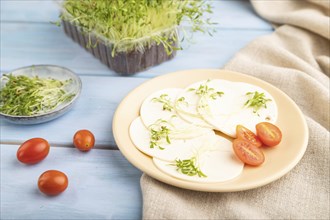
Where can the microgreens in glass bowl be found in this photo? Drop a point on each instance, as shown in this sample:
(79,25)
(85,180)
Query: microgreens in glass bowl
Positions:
(38,93)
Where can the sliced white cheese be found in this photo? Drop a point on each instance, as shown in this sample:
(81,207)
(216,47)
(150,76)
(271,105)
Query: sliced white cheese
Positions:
(152,110)
(187,108)
(189,119)
(216,160)
(140,137)
(160,106)
(229,111)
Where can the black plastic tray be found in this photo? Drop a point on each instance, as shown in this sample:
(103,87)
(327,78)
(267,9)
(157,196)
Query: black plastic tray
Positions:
(122,63)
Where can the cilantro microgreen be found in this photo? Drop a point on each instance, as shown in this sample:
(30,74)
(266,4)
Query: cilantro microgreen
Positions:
(159,132)
(25,96)
(256,101)
(204,90)
(165,100)
(189,167)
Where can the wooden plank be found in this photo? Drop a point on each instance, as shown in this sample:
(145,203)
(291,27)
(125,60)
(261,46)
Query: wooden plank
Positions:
(232,14)
(94,111)
(24,44)
(102,185)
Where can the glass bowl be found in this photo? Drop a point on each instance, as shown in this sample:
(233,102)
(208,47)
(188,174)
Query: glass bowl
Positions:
(47,71)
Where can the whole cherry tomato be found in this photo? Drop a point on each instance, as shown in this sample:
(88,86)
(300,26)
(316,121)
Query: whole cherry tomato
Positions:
(52,182)
(269,134)
(84,140)
(248,153)
(245,134)
(33,151)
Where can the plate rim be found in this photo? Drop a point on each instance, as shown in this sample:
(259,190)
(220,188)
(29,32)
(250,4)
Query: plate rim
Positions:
(210,187)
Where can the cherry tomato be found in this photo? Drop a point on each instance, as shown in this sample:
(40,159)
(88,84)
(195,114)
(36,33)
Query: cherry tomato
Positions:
(52,182)
(248,153)
(33,151)
(84,140)
(269,134)
(245,134)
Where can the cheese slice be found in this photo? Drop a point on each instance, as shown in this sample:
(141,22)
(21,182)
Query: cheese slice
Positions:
(230,110)
(141,137)
(216,160)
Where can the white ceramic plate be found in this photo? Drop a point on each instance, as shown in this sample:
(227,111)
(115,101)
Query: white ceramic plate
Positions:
(47,71)
(279,160)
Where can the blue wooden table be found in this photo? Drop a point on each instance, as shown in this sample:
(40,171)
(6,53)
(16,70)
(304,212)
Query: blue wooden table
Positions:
(102,183)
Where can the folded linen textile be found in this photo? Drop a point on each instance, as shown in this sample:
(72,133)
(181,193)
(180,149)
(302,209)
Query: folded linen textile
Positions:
(295,59)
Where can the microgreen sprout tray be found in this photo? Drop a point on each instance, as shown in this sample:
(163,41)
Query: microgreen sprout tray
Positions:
(123,63)
(132,35)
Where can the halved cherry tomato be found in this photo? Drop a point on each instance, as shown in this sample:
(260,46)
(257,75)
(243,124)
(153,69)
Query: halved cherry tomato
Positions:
(84,140)
(269,134)
(248,153)
(52,182)
(33,151)
(245,134)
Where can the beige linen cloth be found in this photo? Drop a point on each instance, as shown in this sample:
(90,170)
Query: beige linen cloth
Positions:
(295,59)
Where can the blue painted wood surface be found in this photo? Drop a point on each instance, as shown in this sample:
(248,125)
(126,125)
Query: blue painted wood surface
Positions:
(103,185)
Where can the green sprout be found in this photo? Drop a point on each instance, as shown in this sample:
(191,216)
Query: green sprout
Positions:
(205,91)
(25,96)
(165,100)
(256,101)
(133,25)
(159,132)
(189,167)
